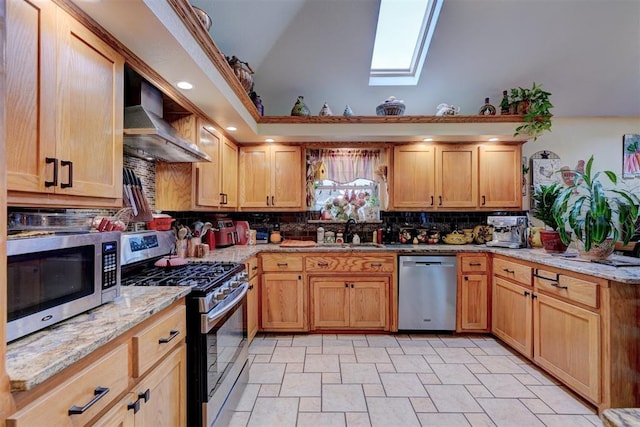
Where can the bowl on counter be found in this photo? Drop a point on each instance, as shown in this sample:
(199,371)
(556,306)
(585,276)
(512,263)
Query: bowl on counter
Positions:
(455,238)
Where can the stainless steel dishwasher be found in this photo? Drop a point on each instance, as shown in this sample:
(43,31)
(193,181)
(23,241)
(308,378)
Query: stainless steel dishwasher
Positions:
(427,292)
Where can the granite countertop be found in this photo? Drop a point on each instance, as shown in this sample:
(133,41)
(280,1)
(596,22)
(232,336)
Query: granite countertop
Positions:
(629,275)
(38,356)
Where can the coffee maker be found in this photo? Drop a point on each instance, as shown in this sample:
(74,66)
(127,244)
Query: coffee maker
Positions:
(508,231)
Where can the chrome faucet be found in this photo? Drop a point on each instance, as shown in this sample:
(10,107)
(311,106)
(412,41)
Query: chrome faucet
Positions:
(348,235)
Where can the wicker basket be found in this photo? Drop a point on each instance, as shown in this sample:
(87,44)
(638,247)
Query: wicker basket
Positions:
(390,107)
(243,72)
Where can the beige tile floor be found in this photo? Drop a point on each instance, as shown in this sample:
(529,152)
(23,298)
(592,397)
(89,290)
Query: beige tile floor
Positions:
(400,380)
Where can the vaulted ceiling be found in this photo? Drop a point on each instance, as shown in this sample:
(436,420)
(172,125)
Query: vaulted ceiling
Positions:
(585,52)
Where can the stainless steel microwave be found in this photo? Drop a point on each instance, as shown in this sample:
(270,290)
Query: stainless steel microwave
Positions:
(52,278)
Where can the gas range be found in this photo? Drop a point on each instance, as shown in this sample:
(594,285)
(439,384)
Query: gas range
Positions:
(202,277)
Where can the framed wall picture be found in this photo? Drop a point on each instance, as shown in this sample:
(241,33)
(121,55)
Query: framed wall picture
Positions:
(545,171)
(630,155)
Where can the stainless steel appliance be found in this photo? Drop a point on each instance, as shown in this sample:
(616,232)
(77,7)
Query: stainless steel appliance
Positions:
(508,231)
(217,336)
(225,233)
(427,292)
(54,277)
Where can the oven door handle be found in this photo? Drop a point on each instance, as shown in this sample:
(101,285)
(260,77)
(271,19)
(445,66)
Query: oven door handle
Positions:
(210,319)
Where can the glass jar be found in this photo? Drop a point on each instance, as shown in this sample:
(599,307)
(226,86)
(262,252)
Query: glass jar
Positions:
(329,237)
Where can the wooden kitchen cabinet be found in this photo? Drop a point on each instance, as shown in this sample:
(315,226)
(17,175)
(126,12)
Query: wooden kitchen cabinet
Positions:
(271,177)
(349,302)
(512,319)
(283,293)
(413,174)
(158,400)
(117,376)
(251,267)
(473,302)
(203,185)
(500,176)
(65,86)
(456,176)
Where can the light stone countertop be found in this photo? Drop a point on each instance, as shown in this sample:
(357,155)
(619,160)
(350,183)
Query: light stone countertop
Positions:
(35,358)
(628,275)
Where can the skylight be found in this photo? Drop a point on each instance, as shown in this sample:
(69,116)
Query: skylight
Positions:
(403,35)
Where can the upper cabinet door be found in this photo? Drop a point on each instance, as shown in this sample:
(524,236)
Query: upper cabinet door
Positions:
(500,172)
(229,173)
(89,112)
(414,176)
(457,176)
(286,177)
(30,94)
(208,185)
(254,176)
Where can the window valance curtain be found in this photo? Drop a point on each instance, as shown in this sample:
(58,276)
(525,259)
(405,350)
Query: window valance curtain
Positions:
(346,165)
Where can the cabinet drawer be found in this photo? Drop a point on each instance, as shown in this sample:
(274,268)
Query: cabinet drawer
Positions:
(512,270)
(281,262)
(154,342)
(351,264)
(471,264)
(251,267)
(100,383)
(571,288)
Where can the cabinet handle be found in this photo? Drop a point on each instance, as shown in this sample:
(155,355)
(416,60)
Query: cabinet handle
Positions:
(273,201)
(282,264)
(527,293)
(255,267)
(352,285)
(136,405)
(99,393)
(557,285)
(267,200)
(431,200)
(222,198)
(250,287)
(172,334)
(440,198)
(475,264)
(506,270)
(53,183)
(484,200)
(534,296)
(323,264)
(69,184)
(346,285)
(466,278)
(376,264)
(535,274)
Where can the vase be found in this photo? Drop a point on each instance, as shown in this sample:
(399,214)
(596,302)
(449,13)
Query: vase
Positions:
(598,250)
(348,112)
(325,110)
(299,108)
(551,242)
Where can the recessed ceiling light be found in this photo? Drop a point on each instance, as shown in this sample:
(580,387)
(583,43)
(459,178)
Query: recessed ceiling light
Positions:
(231,128)
(269,140)
(428,139)
(184,85)
(494,139)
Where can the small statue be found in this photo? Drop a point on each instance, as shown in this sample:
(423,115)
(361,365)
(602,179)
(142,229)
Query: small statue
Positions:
(487,109)
(348,112)
(325,110)
(299,108)
(257,101)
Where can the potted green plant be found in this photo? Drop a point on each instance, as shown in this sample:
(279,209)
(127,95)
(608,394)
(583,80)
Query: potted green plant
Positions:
(544,197)
(535,106)
(598,216)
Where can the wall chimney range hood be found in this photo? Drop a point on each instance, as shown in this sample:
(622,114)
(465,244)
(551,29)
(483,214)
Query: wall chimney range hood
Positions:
(147,135)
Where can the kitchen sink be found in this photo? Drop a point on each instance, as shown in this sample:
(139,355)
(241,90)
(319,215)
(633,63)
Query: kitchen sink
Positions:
(350,245)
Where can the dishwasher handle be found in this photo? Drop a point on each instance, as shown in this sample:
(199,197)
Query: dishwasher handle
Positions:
(427,264)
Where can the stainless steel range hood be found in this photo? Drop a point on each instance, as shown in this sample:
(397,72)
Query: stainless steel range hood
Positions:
(148,136)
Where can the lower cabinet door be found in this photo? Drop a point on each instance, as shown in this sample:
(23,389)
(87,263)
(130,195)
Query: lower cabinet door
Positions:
(369,302)
(567,344)
(330,301)
(512,315)
(473,303)
(252,308)
(283,297)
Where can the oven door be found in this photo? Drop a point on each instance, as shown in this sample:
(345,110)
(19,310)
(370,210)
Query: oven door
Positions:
(46,287)
(225,343)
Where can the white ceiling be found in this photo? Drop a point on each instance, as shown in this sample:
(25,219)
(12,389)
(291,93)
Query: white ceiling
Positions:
(585,52)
